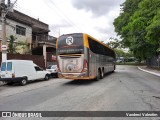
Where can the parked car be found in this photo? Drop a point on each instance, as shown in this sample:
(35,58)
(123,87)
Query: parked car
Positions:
(53,69)
(119,61)
(21,71)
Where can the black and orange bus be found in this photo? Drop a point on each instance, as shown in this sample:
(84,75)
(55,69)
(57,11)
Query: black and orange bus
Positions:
(80,56)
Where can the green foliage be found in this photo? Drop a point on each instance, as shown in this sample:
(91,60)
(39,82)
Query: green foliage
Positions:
(11,45)
(115,43)
(23,45)
(122,53)
(119,52)
(118,48)
(140,32)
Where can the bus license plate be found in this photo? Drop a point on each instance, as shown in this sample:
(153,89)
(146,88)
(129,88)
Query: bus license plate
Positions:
(70,75)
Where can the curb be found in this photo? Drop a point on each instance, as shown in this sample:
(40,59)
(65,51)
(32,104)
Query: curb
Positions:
(149,72)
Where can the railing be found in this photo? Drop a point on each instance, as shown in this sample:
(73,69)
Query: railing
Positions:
(43,39)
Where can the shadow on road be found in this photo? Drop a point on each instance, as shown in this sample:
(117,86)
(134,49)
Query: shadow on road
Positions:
(86,82)
(29,82)
(80,82)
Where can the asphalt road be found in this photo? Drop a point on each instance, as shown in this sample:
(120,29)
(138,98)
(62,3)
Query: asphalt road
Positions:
(127,89)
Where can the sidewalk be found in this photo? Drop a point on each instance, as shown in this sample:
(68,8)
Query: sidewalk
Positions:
(1,83)
(149,70)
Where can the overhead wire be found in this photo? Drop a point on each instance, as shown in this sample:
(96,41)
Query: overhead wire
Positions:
(62,15)
(65,16)
(68,19)
(28,12)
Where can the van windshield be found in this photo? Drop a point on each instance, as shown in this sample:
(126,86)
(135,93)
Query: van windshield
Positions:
(9,66)
(3,66)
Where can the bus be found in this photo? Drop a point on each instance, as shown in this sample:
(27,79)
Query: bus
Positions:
(80,56)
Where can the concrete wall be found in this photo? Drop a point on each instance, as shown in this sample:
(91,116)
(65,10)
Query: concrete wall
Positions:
(37,26)
(11,30)
(37,59)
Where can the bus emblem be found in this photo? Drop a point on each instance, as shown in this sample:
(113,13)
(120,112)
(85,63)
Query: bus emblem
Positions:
(69,40)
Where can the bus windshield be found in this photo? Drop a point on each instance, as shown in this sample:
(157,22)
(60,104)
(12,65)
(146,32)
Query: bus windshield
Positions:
(70,44)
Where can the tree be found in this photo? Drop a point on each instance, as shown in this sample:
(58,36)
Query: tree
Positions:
(140,32)
(153,30)
(118,48)
(23,45)
(115,43)
(11,45)
(127,10)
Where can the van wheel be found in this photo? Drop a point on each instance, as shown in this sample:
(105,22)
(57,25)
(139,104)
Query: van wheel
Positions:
(46,77)
(23,81)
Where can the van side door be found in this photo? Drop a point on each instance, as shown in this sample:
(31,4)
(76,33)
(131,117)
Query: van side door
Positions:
(39,72)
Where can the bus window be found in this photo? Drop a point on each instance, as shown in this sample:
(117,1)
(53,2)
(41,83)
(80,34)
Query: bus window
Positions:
(100,49)
(70,44)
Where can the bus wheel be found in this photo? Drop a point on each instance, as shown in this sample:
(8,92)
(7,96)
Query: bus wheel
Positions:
(98,76)
(114,69)
(101,74)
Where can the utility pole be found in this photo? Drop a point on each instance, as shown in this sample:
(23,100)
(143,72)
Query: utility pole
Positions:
(3,19)
(4,10)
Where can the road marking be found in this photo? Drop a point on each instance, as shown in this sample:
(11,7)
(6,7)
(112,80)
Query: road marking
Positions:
(149,72)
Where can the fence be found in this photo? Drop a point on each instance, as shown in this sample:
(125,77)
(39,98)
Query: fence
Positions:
(154,62)
(37,59)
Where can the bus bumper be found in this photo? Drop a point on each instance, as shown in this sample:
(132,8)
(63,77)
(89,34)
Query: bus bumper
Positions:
(75,76)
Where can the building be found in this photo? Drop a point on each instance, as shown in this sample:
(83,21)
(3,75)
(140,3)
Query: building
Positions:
(31,35)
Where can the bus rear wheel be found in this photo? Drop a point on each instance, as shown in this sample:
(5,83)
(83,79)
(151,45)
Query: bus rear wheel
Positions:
(98,76)
(101,74)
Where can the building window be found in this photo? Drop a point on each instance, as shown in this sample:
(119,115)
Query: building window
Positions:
(20,30)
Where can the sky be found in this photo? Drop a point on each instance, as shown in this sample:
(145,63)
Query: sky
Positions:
(94,17)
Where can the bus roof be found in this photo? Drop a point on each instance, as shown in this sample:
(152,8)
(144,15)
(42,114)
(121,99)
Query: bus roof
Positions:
(98,41)
(90,37)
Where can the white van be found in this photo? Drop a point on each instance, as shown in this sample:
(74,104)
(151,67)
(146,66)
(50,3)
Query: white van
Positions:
(21,71)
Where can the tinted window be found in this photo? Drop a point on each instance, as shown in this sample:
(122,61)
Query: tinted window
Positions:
(49,67)
(3,66)
(70,44)
(98,48)
(9,66)
(53,67)
(38,68)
